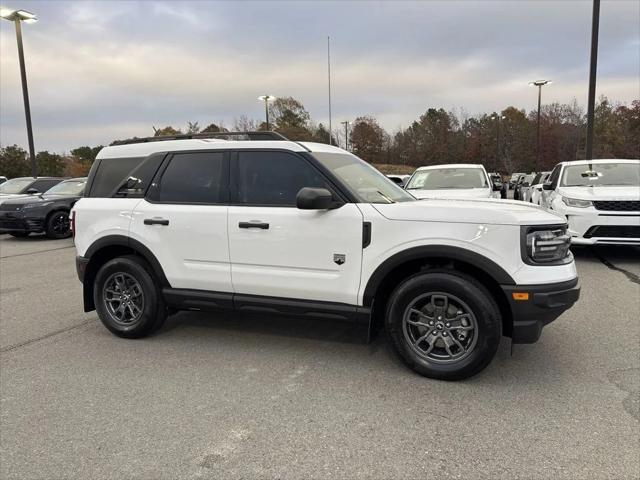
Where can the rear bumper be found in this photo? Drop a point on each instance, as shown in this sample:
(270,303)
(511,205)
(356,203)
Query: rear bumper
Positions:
(545,304)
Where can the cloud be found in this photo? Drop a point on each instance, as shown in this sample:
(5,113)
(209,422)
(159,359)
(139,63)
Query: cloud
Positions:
(104,70)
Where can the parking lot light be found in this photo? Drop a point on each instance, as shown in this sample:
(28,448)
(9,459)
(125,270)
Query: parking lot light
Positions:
(17,17)
(539,84)
(266,99)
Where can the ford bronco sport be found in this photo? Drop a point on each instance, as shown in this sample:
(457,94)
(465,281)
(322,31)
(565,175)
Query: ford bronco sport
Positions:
(265,224)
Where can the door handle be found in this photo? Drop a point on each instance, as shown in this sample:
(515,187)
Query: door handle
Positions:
(156,221)
(254,224)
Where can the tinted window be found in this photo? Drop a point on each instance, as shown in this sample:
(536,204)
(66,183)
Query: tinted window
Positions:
(274,178)
(144,174)
(44,185)
(111,173)
(194,178)
(555,173)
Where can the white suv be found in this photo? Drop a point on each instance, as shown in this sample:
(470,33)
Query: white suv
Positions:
(600,199)
(452,181)
(281,227)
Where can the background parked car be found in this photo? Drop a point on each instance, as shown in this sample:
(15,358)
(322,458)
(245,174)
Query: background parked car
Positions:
(451,181)
(496,180)
(514,179)
(48,213)
(600,199)
(524,181)
(534,194)
(2,179)
(401,180)
(25,186)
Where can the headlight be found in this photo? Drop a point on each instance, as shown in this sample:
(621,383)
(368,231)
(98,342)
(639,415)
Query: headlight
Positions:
(36,205)
(574,202)
(546,245)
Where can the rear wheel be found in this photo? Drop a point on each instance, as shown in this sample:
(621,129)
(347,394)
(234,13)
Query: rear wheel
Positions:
(58,225)
(128,299)
(444,325)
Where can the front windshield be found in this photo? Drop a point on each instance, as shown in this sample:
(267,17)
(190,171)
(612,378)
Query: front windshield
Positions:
(445,178)
(70,187)
(623,174)
(16,185)
(364,181)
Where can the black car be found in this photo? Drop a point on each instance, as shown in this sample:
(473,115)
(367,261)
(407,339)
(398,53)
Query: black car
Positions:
(48,212)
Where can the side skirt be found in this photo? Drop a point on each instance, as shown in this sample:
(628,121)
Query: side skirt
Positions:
(200,300)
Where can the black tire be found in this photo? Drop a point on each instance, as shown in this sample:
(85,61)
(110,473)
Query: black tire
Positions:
(466,290)
(152,310)
(19,234)
(58,225)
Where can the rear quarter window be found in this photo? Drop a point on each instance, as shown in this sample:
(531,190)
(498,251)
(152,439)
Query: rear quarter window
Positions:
(110,173)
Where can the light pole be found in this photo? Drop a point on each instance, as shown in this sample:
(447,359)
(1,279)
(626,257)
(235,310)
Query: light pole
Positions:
(266,99)
(497,118)
(17,17)
(539,84)
(595,22)
(346,124)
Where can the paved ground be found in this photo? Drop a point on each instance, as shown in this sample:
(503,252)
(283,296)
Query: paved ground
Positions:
(252,397)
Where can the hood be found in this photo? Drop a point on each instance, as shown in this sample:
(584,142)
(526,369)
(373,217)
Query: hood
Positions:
(19,200)
(605,192)
(452,193)
(9,196)
(487,211)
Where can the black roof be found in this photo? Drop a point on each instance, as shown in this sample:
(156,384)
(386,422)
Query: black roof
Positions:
(254,136)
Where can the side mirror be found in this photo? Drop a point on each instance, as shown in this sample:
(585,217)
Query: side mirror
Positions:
(314,199)
(32,191)
(547,186)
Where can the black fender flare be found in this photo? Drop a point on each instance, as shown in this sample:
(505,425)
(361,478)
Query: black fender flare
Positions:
(138,247)
(433,251)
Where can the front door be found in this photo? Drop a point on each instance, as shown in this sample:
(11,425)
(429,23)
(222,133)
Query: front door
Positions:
(277,250)
(183,221)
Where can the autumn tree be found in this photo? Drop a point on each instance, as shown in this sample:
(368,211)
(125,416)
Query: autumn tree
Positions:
(368,139)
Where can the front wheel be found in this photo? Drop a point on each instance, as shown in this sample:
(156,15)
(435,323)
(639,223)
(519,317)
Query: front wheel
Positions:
(444,325)
(58,225)
(128,299)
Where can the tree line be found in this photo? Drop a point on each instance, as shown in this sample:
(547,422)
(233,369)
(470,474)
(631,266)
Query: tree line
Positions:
(504,141)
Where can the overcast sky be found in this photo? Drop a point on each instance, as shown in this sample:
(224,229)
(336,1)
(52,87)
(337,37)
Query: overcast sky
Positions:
(104,70)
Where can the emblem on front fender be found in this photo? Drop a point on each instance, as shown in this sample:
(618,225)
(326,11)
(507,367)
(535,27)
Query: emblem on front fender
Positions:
(339,258)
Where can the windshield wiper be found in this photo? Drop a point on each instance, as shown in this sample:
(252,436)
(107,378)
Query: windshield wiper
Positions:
(385,197)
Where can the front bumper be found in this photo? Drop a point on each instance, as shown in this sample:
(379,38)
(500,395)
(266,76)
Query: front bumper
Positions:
(19,222)
(596,227)
(545,303)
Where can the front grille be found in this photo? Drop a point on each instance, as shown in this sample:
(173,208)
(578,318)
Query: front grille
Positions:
(614,231)
(618,206)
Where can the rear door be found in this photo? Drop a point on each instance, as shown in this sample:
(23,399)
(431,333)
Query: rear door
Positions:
(280,251)
(183,220)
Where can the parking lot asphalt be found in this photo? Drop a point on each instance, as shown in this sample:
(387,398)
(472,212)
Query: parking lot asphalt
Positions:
(214,396)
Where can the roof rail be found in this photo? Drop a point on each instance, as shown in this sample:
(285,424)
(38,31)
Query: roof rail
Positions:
(253,136)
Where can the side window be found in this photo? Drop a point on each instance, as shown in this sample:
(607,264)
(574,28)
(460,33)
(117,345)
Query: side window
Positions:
(110,174)
(273,178)
(194,178)
(555,174)
(44,185)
